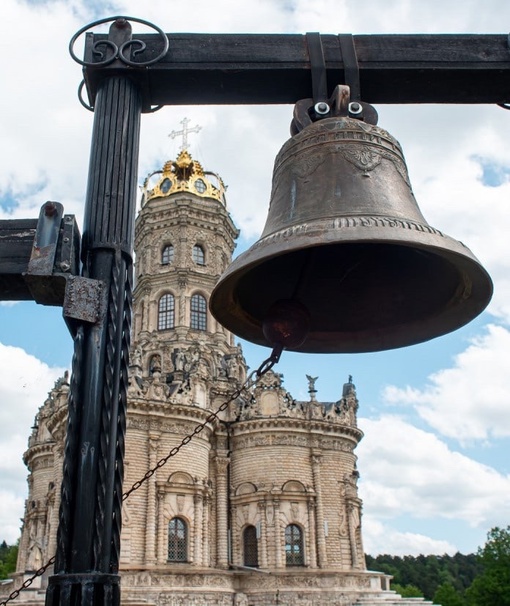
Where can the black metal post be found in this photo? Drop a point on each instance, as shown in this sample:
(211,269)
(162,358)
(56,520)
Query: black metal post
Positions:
(88,540)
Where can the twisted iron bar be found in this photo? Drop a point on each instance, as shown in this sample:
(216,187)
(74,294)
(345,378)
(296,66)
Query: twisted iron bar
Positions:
(121,416)
(71,451)
(108,410)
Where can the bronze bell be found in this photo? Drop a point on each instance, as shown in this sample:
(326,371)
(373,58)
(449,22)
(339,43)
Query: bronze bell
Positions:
(346,254)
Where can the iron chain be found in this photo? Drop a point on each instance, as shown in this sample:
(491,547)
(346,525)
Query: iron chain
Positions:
(252,380)
(28,582)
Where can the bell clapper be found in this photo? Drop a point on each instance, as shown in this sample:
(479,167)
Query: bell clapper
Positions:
(286,324)
(287,321)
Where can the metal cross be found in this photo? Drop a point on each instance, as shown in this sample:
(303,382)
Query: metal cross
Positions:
(184,132)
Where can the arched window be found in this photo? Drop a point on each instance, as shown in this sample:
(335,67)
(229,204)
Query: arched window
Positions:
(198,312)
(167,255)
(166,312)
(250,547)
(198,255)
(294,555)
(177,540)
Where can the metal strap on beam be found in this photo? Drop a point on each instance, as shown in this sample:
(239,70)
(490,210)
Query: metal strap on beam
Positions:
(202,69)
(351,67)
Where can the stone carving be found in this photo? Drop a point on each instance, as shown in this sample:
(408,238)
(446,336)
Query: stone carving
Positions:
(156,389)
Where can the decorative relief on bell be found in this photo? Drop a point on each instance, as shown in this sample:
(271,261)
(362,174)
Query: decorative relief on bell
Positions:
(363,158)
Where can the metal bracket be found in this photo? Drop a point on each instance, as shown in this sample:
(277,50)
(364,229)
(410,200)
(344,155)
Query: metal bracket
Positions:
(83,300)
(54,255)
(346,98)
(40,261)
(46,239)
(339,104)
(319,75)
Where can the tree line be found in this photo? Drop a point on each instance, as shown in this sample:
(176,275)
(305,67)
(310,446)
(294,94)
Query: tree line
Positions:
(481,579)
(8,557)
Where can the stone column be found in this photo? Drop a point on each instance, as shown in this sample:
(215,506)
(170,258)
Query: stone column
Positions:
(235,551)
(221,511)
(152,315)
(263,535)
(354,524)
(197,528)
(205,534)
(58,456)
(280,561)
(319,511)
(150,523)
(311,543)
(146,307)
(162,552)
(182,310)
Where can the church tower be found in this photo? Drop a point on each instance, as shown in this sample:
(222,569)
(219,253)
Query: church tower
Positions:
(183,364)
(235,492)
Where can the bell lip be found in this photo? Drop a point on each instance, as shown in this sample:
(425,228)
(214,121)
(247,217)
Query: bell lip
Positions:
(223,306)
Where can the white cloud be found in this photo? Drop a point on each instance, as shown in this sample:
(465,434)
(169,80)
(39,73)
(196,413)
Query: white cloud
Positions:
(24,384)
(468,401)
(406,471)
(379,538)
(11,512)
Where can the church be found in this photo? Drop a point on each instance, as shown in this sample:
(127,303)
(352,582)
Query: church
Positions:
(261,505)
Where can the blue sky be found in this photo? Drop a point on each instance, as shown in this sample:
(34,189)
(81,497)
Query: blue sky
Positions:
(434,461)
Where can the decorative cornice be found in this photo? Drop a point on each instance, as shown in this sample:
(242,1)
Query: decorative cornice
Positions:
(312,426)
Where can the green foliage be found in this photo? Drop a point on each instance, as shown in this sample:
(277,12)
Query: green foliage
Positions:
(407,591)
(447,595)
(8,558)
(492,586)
(429,572)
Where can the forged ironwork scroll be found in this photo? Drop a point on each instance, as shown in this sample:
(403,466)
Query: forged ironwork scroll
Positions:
(86,105)
(118,52)
(90,108)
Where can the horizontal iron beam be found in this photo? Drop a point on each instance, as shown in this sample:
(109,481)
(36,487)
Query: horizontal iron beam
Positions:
(206,69)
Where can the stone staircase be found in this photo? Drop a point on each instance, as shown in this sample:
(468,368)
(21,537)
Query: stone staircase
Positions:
(391,598)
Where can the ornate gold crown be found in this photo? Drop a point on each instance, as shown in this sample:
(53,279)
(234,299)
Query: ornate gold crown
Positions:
(183,175)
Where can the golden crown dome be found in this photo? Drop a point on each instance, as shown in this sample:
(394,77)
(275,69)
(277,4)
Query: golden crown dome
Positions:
(183,175)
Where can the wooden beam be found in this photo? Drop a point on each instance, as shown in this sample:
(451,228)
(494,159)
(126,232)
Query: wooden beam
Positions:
(16,241)
(201,69)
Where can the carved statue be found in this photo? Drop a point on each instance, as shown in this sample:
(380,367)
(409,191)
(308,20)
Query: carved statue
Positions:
(136,357)
(311,383)
(179,360)
(232,367)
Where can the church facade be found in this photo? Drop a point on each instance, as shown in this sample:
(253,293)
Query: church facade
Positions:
(261,505)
